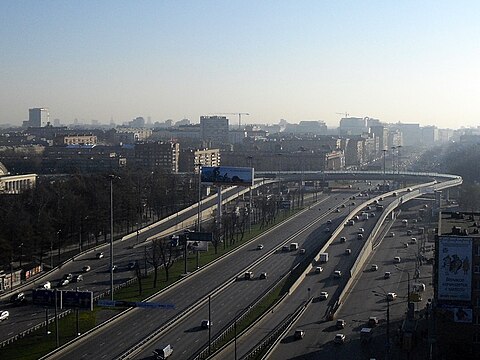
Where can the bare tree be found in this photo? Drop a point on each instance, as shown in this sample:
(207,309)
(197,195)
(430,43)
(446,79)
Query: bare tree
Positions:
(161,254)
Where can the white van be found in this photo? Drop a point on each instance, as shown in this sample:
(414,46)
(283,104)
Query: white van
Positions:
(46,285)
(418,287)
(163,353)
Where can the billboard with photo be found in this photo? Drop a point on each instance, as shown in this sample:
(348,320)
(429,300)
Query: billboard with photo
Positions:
(454,268)
(456,314)
(226,175)
(197,245)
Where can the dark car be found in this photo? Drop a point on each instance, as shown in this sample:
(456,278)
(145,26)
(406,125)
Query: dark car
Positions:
(17,298)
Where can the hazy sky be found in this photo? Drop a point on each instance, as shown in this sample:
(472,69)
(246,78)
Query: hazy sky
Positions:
(409,61)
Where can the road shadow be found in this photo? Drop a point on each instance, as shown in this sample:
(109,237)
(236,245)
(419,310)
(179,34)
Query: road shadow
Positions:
(194,329)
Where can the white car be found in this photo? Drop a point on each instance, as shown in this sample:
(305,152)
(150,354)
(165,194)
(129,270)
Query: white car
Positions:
(323,295)
(361,230)
(86,268)
(318,270)
(339,339)
(397,259)
(391,296)
(4,314)
(374,267)
(259,246)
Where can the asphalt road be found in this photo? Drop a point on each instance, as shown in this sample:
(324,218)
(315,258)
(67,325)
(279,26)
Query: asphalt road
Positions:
(365,300)
(98,279)
(312,285)
(138,323)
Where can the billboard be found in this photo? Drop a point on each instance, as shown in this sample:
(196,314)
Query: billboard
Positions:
(454,268)
(198,245)
(72,299)
(225,175)
(456,314)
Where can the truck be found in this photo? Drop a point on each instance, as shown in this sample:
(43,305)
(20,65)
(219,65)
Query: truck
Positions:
(366,335)
(163,353)
(323,257)
(293,246)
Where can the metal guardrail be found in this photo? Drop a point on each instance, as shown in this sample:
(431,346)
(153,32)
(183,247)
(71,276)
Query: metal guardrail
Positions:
(204,354)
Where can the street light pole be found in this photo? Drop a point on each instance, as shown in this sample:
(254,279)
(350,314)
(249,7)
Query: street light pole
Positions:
(384,295)
(111,236)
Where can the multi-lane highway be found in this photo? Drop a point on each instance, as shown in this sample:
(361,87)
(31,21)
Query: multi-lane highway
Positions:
(365,300)
(139,323)
(314,283)
(98,279)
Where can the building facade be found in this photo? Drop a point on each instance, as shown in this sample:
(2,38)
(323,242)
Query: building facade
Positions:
(214,129)
(162,156)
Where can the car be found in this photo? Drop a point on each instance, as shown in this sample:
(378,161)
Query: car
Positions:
(343,239)
(299,334)
(351,222)
(47,285)
(339,339)
(114,267)
(260,247)
(4,314)
(409,232)
(340,324)
(77,278)
(99,255)
(356,217)
(348,251)
(285,248)
(413,240)
(391,296)
(372,214)
(68,276)
(302,251)
(63,282)
(395,194)
(248,275)
(132,265)
(361,230)
(372,321)
(342,206)
(327,230)
(387,275)
(205,324)
(263,275)
(86,268)
(397,259)
(405,245)
(392,234)
(318,270)
(374,267)
(337,210)
(359,236)
(329,222)
(17,298)
(323,295)
(337,274)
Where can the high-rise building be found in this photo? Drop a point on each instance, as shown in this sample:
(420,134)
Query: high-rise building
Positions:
(38,117)
(158,156)
(214,129)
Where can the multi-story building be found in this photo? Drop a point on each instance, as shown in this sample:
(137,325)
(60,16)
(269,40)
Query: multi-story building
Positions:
(429,135)
(353,126)
(456,306)
(192,159)
(81,139)
(37,117)
(158,156)
(411,133)
(214,129)
(380,132)
(15,184)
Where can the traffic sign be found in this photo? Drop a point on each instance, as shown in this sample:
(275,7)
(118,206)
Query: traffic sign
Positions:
(200,236)
(72,299)
(140,304)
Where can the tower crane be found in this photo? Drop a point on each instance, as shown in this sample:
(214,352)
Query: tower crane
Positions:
(236,113)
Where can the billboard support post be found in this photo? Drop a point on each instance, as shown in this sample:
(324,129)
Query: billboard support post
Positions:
(219,213)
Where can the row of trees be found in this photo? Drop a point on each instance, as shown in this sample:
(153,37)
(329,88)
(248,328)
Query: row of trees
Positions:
(75,210)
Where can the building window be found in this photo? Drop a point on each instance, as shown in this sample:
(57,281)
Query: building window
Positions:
(476,269)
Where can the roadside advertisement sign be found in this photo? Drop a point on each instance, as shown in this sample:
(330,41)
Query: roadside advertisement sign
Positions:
(457,314)
(198,245)
(225,175)
(454,268)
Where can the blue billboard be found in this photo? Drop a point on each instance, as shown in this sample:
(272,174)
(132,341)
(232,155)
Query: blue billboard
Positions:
(225,175)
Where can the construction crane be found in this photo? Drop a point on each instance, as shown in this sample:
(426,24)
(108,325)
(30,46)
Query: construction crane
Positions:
(345,113)
(239,117)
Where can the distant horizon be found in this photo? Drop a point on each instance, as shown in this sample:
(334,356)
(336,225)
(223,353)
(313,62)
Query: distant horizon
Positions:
(408,61)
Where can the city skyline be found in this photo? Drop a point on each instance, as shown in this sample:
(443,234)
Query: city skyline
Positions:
(406,62)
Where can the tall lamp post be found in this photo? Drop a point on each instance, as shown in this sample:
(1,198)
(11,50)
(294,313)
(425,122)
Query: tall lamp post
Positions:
(387,345)
(112,177)
(384,177)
